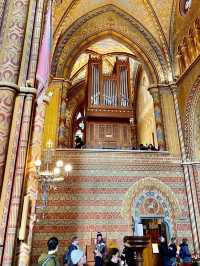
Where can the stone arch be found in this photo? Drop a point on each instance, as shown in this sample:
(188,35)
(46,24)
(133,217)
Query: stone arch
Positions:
(161,192)
(138,52)
(144,37)
(193,101)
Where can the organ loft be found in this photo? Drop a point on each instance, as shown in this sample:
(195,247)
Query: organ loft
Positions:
(109,106)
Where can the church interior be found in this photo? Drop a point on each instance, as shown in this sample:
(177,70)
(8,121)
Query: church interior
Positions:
(111,144)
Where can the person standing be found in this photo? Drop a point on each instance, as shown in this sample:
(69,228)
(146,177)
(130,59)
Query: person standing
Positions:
(51,258)
(172,251)
(164,251)
(74,246)
(99,250)
(185,254)
(128,256)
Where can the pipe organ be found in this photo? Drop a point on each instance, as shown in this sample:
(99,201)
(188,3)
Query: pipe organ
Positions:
(109,105)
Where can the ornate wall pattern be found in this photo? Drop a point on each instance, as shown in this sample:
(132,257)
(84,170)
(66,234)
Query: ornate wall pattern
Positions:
(192,105)
(91,198)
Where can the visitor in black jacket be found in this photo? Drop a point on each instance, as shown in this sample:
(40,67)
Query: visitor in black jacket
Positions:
(172,251)
(164,252)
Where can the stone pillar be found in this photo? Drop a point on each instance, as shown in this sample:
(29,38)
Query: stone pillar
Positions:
(18,174)
(19,46)
(154,90)
(12,41)
(10,166)
(35,41)
(189,178)
(35,151)
(7,96)
(2,11)
(62,120)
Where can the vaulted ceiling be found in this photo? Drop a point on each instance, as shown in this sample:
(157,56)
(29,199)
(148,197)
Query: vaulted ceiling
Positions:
(145,27)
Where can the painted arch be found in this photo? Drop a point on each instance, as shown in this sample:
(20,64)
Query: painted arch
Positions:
(157,190)
(109,20)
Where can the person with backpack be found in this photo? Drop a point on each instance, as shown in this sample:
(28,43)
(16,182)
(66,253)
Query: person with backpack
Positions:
(185,254)
(51,258)
(74,246)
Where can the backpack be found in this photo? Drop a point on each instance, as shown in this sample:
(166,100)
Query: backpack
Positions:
(184,252)
(67,256)
(48,259)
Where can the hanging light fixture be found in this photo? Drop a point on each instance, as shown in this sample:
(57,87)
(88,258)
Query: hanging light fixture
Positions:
(49,174)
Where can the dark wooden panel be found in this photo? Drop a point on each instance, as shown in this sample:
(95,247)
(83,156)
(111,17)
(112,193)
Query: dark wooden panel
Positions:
(108,135)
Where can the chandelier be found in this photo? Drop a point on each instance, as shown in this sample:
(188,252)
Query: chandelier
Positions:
(49,173)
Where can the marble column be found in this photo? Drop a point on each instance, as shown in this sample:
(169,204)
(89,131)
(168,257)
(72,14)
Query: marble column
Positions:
(154,91)
(62,120)
(189,178)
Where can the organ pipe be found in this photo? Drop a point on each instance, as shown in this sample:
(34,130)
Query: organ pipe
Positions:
(108,90)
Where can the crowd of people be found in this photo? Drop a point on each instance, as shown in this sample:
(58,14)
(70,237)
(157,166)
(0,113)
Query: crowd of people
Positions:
(171,255)
(74,256)
(147,147)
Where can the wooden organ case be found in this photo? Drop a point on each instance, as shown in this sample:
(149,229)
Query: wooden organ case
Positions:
(109,106)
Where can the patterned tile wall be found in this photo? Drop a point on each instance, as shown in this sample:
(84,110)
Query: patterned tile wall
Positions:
(91,198)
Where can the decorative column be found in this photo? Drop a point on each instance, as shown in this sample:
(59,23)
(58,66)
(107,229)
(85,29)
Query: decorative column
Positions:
(2,11)
(26,96)
(154,90)
(189,178)
(17,40)
(12,40)
(7,97)
(35,151)
(10,167)
(62,121)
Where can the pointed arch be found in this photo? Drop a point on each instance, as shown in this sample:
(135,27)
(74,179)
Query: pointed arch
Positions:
(156,55)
